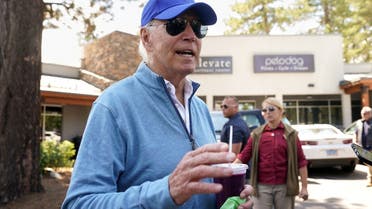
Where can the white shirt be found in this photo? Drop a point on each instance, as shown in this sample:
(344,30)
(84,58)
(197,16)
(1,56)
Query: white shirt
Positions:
(183,109)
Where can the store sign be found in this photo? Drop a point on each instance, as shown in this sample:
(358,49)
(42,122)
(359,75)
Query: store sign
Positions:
(214,65)
(283,63)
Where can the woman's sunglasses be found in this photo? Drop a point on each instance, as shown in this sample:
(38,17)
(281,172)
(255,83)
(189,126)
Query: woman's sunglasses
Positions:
(269,109)
(178,25)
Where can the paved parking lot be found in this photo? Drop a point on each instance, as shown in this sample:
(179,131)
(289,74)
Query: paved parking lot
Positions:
(330,188)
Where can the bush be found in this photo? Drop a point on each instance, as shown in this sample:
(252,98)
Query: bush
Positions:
(56,155)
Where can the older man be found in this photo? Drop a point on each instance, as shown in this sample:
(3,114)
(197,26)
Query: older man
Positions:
(149,141)
(364,135)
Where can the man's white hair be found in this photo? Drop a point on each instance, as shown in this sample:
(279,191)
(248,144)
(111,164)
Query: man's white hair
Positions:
(365,109)
(142,51)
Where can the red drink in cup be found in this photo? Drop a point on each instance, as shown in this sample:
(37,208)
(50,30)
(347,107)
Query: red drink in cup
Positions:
(233,185)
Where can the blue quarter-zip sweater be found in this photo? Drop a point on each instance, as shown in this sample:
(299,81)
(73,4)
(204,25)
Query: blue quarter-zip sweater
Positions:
(133,140)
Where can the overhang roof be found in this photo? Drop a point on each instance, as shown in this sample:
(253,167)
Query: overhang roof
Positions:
(354,83)
(67,91)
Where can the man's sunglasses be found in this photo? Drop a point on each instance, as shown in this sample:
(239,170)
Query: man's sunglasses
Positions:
(269,109)
(224,106)
(178,25)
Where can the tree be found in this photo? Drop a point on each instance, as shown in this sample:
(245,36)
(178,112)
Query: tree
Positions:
(21,25)
(57,14)
(350,18)
(262,16)
(20,69)
(87,13)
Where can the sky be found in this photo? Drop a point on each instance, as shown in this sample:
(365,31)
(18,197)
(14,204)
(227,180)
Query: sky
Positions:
(61,46)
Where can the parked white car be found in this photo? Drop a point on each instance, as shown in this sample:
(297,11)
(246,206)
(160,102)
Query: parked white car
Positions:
(325,145)
(51,135)
(351,130)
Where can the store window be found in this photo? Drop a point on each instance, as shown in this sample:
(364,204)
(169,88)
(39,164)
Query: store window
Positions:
(51,121)
(327,111)
(204,98)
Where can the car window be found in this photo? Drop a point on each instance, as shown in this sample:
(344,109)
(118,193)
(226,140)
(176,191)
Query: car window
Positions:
(327,131)
(251,120)
(305,132)
(218,121)
(351,129)
(317,131)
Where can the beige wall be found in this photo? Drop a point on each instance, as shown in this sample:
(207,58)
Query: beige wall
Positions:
(74,120)
(327,51)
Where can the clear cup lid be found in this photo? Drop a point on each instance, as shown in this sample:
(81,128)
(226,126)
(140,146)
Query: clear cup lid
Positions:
(238,168)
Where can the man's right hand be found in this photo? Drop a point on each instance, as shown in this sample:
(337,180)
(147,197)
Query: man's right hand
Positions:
(185,180)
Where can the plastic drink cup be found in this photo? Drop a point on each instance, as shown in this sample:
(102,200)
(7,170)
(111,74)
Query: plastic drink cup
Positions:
(233,185)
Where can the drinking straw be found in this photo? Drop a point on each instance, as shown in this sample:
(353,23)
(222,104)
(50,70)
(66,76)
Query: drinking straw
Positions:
(230,138)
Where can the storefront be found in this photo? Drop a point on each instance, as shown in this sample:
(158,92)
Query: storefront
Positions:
(305,72)
(302,71)
(65,101)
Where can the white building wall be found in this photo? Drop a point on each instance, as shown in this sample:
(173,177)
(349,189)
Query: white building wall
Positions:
(327,51)
(346,109)
(74,120)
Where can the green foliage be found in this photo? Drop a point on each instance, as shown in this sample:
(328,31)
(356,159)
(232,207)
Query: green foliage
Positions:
(350,18)
(262,16)
(54,154)
(87,13)
(53,123)
(84,12)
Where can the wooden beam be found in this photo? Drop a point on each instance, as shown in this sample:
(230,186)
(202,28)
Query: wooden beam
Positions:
(365,96)
(58,98)
(356,86)
(350,89)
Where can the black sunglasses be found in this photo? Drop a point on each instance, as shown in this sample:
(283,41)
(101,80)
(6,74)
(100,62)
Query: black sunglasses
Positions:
(178,25)
(224,106)
(269,109)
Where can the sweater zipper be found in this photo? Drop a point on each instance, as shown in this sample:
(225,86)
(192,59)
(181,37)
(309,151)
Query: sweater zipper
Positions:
(190,136)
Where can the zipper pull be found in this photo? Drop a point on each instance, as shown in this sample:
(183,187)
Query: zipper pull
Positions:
(192,141)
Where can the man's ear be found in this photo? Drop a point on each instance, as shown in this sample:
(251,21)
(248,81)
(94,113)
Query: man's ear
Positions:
(145,38)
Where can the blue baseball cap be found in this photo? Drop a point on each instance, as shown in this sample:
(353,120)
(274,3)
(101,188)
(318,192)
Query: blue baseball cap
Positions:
(169,9)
